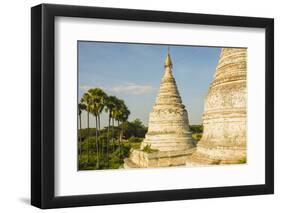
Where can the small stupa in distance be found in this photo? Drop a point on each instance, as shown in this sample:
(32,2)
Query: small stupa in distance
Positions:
(168,141)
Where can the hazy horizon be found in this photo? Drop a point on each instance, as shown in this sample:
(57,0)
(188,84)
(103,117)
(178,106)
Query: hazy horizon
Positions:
(133,72)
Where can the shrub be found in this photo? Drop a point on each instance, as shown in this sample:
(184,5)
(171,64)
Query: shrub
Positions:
(148,149)
(92,144)
(197,136)
(196,128)
(135,139)
(243,160)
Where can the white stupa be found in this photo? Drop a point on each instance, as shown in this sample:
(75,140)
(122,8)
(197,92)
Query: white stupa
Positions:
(225,114)
(168,136)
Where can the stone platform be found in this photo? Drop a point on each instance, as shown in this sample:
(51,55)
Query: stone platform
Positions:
(213,155)
(142,159)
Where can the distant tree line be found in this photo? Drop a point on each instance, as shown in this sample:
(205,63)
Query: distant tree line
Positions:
(196,128)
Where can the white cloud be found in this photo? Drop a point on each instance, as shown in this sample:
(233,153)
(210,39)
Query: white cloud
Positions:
(128,88)
(132,88)
(84,87)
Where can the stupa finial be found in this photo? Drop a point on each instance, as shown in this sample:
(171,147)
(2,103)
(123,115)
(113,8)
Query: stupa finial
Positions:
(168,61)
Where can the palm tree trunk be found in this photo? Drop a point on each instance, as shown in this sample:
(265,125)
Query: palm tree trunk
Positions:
(121,134)
(107,140)
(80,138)
(97,145)
(88,123)
(119,141)
(113,144)
(101,143)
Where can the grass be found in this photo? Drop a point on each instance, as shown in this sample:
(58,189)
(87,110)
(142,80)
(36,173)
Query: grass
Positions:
(148,149)
(196,136)
(243,160)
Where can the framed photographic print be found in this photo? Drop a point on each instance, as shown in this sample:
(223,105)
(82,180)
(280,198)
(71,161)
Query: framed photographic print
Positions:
(139,106)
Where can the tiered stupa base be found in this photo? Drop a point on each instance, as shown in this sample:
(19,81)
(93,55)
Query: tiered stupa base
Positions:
(214,155)
(142,159)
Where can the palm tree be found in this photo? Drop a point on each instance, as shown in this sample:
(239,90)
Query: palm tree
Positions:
(86,101)
(98,98)
(122,116)
(81,107)
(109,105)
(115,113)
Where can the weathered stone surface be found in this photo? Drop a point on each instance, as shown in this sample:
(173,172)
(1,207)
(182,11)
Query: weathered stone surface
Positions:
(168,128)
(141,159)
(224,118)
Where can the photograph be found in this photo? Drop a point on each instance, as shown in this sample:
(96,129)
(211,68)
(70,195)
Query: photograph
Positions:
(160,105)
(170,105)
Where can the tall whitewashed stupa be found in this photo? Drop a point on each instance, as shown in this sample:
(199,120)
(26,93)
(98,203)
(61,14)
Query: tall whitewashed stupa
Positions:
(225,114)
(168,141)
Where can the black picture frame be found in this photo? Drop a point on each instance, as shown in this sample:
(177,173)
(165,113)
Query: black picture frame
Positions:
(43,101)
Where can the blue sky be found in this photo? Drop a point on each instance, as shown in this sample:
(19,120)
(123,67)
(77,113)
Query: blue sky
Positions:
(133,73)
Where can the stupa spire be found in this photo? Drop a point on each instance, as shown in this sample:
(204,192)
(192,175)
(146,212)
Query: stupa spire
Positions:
(168,127)
(168,60)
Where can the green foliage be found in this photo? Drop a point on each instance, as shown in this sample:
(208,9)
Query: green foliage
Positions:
(97,100)
(114,161)
(135,145)
(197,131)
(116,154)
(134,139)
(148,149)
(197,136)
(243,160)
(106,148)
(89,142)
(196,128)
(92,132)
(84,165)
(134,129)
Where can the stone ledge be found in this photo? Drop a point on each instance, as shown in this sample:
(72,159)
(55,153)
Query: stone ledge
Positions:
(200,160)
(141,159)
(215,156)
(129,164)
